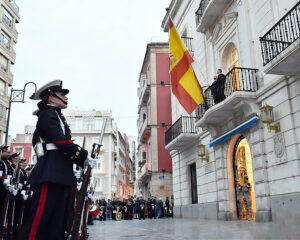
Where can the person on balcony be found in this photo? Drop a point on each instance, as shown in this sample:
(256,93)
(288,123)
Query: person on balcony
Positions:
(217,88)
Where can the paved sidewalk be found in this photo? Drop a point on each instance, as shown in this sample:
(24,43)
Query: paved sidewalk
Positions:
(190,229)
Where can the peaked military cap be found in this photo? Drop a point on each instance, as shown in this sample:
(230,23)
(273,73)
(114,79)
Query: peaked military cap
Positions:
(53,86)
(13,155)
(3,147)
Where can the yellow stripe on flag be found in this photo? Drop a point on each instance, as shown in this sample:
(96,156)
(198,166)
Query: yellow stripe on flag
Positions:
(190,84)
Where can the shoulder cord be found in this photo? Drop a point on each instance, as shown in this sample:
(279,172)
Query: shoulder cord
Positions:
(3,163)
(61,124)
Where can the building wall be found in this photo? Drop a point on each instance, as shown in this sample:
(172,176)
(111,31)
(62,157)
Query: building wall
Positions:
(9,13)
(155,67)
(275,156)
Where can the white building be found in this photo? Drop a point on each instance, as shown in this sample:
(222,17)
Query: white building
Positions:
(110,175)
(86,127)
(256,44)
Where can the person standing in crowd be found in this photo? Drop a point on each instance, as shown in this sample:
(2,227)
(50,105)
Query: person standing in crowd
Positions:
(5,171)
(52,177)
(149,208)
(136,206)
(167,204)
(141,209)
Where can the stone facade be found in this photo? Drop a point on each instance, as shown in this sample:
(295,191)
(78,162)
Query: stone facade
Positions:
(275,155)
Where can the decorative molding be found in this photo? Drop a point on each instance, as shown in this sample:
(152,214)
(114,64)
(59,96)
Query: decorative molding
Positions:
(216,32)
(279,147)
(228,17)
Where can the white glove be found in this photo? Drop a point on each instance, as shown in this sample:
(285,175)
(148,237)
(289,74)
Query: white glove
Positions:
(12,190)
(79,186)
(6,183)
(90,161)
(77,174)
(24,195)
(89,195)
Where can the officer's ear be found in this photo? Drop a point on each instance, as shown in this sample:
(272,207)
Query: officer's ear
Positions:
(51,99)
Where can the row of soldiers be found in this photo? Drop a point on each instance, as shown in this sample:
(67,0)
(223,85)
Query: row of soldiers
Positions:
(131,208)
(14,193)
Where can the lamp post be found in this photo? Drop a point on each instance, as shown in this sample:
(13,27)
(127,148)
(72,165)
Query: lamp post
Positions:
(16,95)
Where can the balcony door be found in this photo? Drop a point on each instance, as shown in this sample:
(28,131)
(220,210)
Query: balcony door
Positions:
(233,61)
(193,176)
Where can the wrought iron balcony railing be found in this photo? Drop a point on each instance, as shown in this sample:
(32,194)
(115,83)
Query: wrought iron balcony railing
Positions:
(201,10)
(281,35)
(182,125)
(188,42)
(238,79)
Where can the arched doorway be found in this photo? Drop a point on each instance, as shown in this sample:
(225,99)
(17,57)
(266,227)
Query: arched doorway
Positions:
(243,180)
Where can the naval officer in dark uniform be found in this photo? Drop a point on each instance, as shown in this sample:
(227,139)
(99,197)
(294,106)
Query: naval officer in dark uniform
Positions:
(52,177)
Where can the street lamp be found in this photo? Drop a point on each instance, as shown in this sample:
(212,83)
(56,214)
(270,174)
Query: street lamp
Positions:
(16,95)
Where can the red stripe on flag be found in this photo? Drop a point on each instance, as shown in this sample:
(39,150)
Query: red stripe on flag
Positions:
(171,23)
(39,212)
(64,142)
(182,67)
(184,98)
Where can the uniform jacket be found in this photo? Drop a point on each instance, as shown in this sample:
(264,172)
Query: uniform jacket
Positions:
(56,166)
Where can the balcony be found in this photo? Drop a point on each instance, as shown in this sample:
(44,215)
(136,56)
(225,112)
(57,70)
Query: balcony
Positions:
(188,42)
(181,133)
(144,89)
(208,12)
(143,129)
(234,93)
(280,46)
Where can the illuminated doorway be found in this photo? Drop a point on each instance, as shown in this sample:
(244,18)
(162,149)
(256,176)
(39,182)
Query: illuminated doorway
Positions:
(243,178)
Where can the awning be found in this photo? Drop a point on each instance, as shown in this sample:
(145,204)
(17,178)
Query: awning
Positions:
(248,123)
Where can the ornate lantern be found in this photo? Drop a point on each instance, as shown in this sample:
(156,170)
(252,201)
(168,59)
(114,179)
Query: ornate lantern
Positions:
(268,118)
(201,153)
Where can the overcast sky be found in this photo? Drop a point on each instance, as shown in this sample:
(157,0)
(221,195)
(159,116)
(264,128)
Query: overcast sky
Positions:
(96,47)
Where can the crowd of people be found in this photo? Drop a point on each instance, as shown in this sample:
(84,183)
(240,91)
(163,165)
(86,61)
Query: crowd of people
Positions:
(131,208)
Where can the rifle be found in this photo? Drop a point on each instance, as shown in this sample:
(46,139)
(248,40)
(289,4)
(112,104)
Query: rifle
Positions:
(20,215)
(73,197)
(12,206)
(79,207)
(6,229)
(85,215)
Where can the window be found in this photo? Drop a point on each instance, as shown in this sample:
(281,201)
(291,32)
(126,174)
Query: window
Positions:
(233,61)
(5,40)
(3,63)
(98,124)
(96,139)
(78,140)
(2,87)
(99,164)
(2,112)
(19,149)
(78,123)
(144,156)
(7,18)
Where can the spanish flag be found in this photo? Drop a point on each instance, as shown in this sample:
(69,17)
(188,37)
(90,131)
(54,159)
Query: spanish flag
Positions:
(185,85)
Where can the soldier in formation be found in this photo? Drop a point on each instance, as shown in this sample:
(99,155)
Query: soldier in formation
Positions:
(14,193)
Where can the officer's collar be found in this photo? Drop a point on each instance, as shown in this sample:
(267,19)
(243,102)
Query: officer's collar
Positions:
(55,107)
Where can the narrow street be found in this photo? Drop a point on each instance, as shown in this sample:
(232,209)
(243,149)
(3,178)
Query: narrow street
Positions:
(190,229)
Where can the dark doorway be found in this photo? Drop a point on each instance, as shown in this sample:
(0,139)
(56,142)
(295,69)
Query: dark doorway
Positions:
(193,183)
